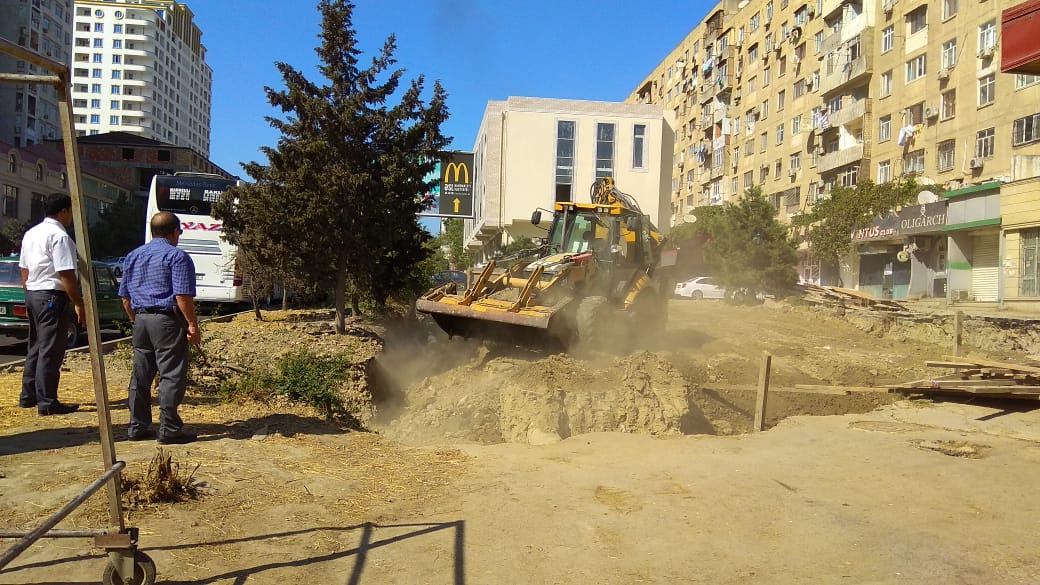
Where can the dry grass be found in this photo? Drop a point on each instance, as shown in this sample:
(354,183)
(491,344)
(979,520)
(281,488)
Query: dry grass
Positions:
(163,481)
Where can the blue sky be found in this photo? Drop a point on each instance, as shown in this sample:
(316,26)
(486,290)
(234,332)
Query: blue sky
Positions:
(480,50)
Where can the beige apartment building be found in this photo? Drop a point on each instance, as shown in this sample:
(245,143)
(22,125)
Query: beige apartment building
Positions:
(532,152)
(797,97)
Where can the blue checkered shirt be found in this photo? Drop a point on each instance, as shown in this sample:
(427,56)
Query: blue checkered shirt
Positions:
(154,273)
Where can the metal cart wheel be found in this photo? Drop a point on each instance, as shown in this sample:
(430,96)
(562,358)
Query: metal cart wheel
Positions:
(144,572)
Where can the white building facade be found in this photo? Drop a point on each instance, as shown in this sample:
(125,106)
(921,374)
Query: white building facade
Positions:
(139,66)
(29,112)
(532,152)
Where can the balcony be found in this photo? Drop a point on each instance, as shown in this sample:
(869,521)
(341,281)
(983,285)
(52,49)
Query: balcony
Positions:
(1020,51)
(839,158)
(849,72)
(851,110)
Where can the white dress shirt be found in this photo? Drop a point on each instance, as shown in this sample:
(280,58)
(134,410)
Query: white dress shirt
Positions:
(47,250)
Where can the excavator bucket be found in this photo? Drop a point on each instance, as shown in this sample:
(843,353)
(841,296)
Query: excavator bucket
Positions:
(491,318)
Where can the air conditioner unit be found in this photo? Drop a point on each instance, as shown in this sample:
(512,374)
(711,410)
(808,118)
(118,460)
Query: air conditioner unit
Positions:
(986,53)
(931,112)
(975,163)
(792,173)
(944,73)
(888,6)
(811,14)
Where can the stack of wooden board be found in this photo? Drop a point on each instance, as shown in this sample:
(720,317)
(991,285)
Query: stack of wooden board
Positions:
(851,299)
(979,377)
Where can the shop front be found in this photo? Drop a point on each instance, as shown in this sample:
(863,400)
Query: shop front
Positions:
(903,254)
(973,227)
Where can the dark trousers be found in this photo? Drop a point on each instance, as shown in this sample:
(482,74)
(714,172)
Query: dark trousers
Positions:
(160,346)
(48,335)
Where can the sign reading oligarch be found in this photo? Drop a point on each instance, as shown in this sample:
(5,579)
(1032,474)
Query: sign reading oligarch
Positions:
(452,194)
(910,220)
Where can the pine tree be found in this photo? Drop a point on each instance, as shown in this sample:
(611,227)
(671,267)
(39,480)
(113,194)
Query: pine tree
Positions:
(337,201)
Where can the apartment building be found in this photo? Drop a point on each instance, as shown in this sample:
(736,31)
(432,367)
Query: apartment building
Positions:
(532,152)
(29,112)
(798,96)
(139,66)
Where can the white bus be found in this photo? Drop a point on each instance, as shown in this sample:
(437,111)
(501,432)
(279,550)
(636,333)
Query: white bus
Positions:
(190,196)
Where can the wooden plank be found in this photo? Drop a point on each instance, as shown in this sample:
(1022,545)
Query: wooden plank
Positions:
(763,390)
(824,388)
(951,365)
(994,364)
(836,391)
(976,383)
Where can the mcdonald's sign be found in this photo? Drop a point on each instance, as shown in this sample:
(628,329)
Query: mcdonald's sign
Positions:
(454,186)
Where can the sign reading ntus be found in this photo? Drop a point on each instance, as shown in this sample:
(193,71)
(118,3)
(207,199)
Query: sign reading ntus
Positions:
(452,193)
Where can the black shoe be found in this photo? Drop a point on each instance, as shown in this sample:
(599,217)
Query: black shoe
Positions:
(26,403)
(141,435)
(178,438)
(58,408)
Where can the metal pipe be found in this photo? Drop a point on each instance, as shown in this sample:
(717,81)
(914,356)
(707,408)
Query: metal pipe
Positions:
(81,533)
(60,515)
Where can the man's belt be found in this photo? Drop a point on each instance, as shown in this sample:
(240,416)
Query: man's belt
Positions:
(156,311)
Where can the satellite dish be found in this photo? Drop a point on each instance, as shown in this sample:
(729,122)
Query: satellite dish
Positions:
(927,197)
(903,256)
(689,218)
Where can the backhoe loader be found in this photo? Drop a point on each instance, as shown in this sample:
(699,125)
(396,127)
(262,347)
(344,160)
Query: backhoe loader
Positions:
(596,279)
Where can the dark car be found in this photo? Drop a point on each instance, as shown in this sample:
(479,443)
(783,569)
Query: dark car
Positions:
(14,319)
(456,276)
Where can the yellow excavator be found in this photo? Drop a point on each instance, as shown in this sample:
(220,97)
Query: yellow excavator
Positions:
(596,279)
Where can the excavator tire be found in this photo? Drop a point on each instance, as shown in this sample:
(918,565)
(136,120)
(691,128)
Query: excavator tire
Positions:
(591,320)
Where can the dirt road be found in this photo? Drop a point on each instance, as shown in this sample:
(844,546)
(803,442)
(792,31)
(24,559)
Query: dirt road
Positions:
(508,468)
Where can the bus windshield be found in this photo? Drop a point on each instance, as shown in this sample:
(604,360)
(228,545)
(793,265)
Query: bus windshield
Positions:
(189,195)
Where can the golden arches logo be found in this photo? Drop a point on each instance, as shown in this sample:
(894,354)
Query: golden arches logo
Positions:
(460,169)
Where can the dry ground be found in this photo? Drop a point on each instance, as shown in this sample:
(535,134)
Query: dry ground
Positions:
(489,465)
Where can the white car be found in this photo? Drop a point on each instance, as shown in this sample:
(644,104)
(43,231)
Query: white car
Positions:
(699,287)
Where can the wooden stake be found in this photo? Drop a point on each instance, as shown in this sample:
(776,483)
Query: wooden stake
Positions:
(763,390)
(958,324)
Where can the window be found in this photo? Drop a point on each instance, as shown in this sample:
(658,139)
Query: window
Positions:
(95,88)
(95,119)
(117,28)
(79,103)
(913,162)
(819,40)
(949,8)
(781,97)
(113,105)
(766,76)
(796,125)
(95,103)
(99,27)
(113,120)
(780,134)
(848,176)
(916,113)
(604,150)
(765,142)
(781,67)
(749,148)
(764,110)
(949,54)
(753,23)
(917,20)
(1025,130)
(769,11)
(948,104)
(984,143)
(799,88)
(885,128)
(884,171)
(128,154)
(564,160)
(99,43)
(97,58)
(795,161)
(915,68)
(12,163)
(946,154)
(639,146)
(749,179)
(751,84)
(886,83)
(117,59)
(117,44)
(988,35)
(1025,80)
(763,174)
(987,89)
(752,52)
(115,90)
(10,201)
(778,168)
(1030,286)
(95,73)
(888,38)
(117,74)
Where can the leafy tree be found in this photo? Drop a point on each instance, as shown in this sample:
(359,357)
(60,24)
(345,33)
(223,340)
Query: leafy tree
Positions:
(119,229)
(337,201)
(11,236)
(518,244)
(830,222)
(459,258)
(748,250)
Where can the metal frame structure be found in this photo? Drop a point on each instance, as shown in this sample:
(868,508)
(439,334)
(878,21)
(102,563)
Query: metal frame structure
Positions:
(127,565)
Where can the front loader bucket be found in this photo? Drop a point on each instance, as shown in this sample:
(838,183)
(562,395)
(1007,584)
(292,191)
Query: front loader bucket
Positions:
(490,319)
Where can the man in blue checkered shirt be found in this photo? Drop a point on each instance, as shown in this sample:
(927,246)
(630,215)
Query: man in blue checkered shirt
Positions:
(158,292)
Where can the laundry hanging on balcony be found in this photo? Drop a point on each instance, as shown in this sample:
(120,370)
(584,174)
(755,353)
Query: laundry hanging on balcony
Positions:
(709,63)
(906,135)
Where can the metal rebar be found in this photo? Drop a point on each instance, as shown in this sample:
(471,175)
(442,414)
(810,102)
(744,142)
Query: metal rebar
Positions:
(58,516)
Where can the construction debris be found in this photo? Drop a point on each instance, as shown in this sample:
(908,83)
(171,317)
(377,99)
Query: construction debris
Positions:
(851,299)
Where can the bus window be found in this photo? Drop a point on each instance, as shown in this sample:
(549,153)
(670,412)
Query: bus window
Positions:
(186,195)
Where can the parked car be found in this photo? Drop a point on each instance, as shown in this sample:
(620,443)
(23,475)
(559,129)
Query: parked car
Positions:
(699,287)
(456,276)
(14,319)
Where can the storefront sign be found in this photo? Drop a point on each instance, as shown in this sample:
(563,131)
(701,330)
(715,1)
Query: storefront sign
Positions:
(916,219)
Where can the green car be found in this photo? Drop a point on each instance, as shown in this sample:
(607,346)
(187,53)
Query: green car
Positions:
(14,320)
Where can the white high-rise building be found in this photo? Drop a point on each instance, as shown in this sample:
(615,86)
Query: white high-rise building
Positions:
(29,112)
(139,66)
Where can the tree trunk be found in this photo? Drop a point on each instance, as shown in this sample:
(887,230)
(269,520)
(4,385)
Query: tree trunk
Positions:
(355,304)
(341,302)
(285,299)
(256,305)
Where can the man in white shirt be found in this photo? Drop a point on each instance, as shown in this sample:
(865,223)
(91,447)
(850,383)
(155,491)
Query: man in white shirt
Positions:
(48,263)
